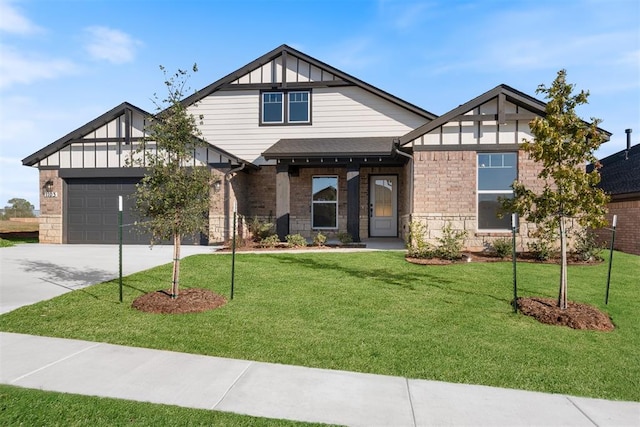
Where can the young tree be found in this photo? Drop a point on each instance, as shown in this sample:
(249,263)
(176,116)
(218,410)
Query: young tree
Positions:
(173,197)
(564,144)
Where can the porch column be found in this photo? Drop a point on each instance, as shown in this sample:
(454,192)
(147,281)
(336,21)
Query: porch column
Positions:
(353,202)
(282,201)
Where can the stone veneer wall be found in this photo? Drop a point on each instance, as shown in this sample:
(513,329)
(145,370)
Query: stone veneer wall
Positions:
(445,191)
(50,230)
(627,227)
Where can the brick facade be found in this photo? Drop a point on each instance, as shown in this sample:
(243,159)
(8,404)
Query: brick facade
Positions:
(260,197)
(627,229)
(445,191)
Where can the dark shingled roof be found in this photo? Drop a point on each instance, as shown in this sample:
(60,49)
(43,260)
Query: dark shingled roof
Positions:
(620,172)
(330,147)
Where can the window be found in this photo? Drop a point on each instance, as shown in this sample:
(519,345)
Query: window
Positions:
(272,107)
(496,173)
(324,202)
(296,109)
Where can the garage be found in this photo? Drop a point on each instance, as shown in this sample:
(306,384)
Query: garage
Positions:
(92,211)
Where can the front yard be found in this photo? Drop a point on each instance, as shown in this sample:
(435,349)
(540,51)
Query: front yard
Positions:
(374,312)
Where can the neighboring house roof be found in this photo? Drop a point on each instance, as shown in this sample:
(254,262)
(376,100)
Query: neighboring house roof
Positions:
(620,172)
(323,147)
(503,92)
(79,134)
(341,79)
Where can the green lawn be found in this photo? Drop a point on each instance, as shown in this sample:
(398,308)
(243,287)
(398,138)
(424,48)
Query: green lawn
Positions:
(374,312)
(28,407)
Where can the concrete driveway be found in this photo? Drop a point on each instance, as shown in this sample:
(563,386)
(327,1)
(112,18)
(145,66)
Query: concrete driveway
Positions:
(35,272)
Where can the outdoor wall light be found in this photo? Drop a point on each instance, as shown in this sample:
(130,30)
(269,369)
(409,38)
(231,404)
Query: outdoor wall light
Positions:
(48,187)
(216,185)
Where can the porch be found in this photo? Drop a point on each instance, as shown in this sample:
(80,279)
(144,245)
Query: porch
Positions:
(340,185)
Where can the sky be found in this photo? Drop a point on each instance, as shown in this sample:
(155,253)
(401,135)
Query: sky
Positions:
(65,62)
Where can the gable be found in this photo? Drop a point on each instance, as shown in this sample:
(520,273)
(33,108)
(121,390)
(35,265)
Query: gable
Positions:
(109,141)
(499,116)
(339,106)
(120,125)
(285,67)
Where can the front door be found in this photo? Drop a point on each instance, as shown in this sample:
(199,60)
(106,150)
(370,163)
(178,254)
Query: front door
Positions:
(383,208)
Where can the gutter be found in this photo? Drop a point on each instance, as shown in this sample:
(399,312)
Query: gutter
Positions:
(396,144)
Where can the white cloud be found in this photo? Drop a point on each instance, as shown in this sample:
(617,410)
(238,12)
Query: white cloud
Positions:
(354,54)
(14,22)
(111,45)
(16,67)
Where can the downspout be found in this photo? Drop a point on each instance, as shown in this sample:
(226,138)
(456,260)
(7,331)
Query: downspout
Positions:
(227,202)
(396,144)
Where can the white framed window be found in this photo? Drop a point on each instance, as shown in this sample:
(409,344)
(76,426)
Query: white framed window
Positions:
(324,202)
(298,107)
(285,107)
(272,107)
(496,173)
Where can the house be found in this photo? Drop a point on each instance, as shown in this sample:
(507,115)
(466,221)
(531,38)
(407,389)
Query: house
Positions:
(297,141)
(620,178)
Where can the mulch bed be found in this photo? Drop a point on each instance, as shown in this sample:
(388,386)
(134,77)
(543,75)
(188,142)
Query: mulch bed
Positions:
(194,300)
(545,310)
(489,257)
(576,315)
(255,247)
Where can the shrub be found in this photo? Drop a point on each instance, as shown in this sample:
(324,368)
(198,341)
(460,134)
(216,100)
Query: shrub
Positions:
(586,246)
(270,241)
(240,242)
(417,245)
(345,238)
(296,241)
(451,243)
(260,229)
(540,249)
(319,239)
(502,247)
(6,243)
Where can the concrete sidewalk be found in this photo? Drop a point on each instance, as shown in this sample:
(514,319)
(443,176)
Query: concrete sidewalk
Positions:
(287,392)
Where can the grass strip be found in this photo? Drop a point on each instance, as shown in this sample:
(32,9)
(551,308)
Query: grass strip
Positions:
(30,407)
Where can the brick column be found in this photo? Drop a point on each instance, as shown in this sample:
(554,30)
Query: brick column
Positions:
(51,208)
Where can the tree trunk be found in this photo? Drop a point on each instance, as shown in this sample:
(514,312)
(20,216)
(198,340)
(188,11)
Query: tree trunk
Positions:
(562,295)
(176,265)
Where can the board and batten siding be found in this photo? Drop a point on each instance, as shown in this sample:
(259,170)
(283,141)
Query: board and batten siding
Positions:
(106,147)
(487,132)
(231,119)
(297,70)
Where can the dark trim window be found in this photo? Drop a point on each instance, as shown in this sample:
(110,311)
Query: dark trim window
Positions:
(496,173)
(285,107)
(324,202)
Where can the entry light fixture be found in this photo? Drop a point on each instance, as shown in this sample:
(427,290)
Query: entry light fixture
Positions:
(216,185)
(48,186)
